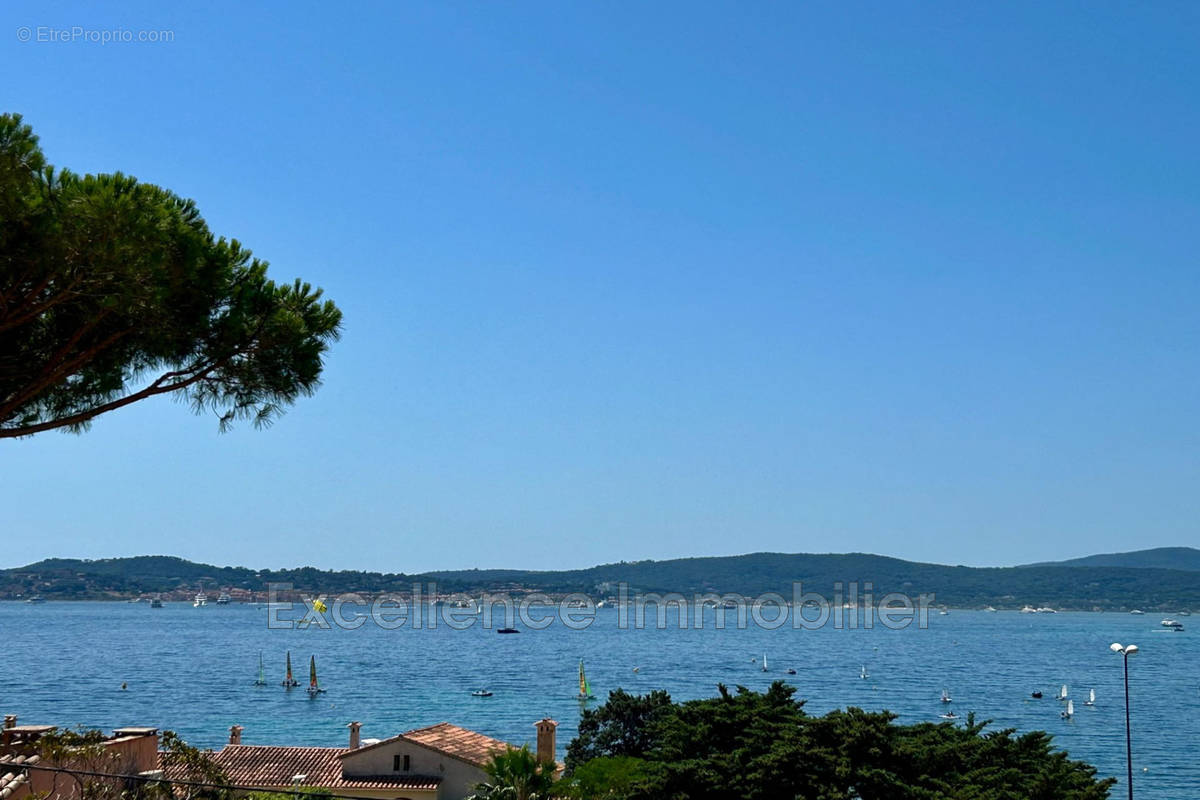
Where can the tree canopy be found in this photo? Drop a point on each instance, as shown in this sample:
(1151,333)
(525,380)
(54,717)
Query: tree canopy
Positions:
(113,291)
(516,774)
(753,745)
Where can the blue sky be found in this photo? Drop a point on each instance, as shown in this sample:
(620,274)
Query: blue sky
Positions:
(639,280)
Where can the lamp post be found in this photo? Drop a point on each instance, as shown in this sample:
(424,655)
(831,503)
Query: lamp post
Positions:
(297,780)
(1126,651)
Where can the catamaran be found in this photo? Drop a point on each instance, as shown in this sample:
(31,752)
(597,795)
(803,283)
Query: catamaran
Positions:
(1091,701)
(262,680)
(289,681)
(585,689)
(313,688)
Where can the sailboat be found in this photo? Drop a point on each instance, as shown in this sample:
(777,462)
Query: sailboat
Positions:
(764,662)
(1070,710)
(1062,693)
(262,681)
(289,681)
(313,688)
(1091,701)
(863,672)
(946,698)
(585,689)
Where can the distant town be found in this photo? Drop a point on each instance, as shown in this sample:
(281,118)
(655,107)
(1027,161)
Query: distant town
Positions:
(1111,582)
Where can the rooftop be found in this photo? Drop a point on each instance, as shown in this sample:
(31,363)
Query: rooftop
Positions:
(271,766)
(463,744)
(11,774)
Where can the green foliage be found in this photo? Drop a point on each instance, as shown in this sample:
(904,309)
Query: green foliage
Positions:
(603,778)
(1012,587)
(305,793)
(93,771)
(761,746)
(516,775)
(108,285)
(620,727)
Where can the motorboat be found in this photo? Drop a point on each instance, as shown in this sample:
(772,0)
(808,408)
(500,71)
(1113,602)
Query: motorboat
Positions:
(481,693)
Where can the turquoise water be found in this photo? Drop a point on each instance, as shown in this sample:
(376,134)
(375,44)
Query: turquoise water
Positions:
(192,670)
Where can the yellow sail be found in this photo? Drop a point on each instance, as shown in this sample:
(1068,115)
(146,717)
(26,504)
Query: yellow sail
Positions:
(584,689)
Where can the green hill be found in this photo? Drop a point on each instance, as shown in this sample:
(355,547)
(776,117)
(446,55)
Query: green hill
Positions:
(1186,558)
(1056,585)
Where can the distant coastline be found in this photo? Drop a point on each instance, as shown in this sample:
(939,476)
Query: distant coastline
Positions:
(1113,587)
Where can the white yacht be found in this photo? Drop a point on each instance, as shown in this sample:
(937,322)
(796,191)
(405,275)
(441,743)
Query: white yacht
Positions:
(201,599)
(224,599)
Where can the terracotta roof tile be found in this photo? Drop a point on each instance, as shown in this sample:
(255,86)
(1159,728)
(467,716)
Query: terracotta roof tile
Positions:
(12,777)
(469,746)
(273,767)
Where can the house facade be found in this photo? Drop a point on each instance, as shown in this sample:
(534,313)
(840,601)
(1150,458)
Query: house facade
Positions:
(24,772)
(439,762)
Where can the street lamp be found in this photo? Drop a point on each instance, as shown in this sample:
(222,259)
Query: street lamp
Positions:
(1127,651)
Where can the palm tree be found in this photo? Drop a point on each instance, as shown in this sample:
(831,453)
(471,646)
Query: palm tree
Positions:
(516,775)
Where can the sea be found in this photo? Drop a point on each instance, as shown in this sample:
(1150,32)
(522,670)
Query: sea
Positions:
(192,670)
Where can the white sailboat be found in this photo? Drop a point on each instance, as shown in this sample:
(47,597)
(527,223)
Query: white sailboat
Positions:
(1070,710)
(1091,701)
(764,667)
(862,673)
(1062,693)
(946,698)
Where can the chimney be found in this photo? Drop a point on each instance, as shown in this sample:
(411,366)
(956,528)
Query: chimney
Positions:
(545,739)
(235,734)
(10,721)
(354,727)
